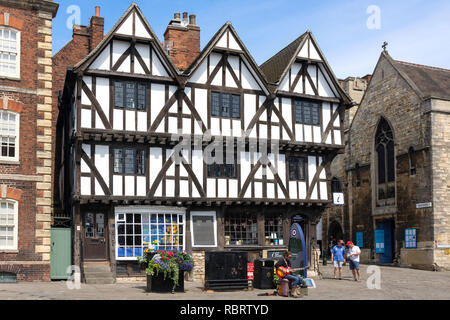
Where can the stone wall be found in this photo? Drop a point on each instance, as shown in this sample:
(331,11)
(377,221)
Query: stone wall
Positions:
(440,141)
(199,265)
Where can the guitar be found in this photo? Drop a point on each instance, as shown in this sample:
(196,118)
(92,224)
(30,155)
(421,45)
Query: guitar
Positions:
(282,272)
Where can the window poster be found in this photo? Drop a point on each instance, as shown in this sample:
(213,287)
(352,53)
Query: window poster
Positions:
(379,241)
(411,238)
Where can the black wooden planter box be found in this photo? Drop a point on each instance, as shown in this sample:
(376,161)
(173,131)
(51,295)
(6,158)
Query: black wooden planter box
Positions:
(158,284)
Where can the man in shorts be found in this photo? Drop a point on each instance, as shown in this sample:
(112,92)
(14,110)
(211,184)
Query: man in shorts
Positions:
(354,253)
(338,258)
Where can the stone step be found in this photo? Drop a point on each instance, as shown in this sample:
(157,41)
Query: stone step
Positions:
(96,269)
(98,275)
(99,281)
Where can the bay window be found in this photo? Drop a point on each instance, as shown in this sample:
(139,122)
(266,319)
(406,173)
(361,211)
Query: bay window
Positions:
(138,229)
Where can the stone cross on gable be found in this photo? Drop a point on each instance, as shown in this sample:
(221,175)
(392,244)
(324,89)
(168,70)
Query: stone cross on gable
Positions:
(384,46)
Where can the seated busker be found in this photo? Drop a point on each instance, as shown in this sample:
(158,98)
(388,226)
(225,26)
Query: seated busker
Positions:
(284,271)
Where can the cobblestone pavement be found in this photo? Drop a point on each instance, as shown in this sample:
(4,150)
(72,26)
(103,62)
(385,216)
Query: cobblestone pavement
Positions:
(396,284)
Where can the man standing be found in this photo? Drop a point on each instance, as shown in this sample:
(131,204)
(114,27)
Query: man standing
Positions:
(354,253)
(338,258)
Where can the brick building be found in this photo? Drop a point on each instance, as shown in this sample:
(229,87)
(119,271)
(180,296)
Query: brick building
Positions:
(396,169)
(26,138)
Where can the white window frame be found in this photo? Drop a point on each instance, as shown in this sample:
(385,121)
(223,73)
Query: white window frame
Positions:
(145,210)
(18,47)
(16,225)
(203,214)
(17,137)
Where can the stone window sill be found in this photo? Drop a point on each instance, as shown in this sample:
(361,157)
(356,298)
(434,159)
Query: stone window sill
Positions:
(9,251)
(9,78)
(10,162)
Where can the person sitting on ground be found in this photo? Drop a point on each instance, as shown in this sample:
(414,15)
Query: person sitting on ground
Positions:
(338,258)
(354,252)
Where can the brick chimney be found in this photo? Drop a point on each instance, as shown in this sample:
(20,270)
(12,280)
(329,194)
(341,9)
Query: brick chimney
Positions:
(96,29)
(182,40)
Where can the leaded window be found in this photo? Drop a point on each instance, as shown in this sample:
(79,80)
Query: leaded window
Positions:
(273,229)
(223,170)
(9,52)
(241,229)
(130,95)
(385,161)
(297,168)
(9,127)
(129,161)
(225,105)
(8,225)
(306,112)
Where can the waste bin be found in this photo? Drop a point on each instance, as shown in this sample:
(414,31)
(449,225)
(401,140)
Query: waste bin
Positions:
(263,274)
(324,255)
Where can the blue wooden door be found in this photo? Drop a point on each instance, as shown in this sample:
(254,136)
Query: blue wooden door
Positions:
(387,256)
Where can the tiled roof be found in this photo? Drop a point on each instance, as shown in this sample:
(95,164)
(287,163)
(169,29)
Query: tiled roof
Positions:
(275,66)
(431,81)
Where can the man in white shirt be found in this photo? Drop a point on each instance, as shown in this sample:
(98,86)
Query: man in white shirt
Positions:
(354,253)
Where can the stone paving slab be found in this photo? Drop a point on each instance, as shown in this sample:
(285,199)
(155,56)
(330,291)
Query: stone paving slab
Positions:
(396,284)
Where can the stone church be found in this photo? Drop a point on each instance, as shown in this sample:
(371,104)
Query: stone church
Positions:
(395,172)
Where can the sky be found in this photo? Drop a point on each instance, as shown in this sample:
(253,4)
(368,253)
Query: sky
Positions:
(350,33)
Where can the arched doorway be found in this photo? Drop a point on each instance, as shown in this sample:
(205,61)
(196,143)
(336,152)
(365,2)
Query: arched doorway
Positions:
(335,231)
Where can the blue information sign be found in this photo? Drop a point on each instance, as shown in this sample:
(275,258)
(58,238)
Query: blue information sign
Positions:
(411,238)
(360,239)
(379,241)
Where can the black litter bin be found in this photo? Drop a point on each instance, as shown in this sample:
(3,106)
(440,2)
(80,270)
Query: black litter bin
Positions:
(263,274)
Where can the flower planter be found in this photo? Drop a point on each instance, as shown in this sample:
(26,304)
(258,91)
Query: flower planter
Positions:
(157,283)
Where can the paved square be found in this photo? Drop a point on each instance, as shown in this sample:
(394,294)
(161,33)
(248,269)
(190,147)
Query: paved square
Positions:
(396,284)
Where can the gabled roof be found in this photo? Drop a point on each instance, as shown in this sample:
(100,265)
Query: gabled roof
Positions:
(426,81)
(276,68)
(431,81)
(101,46)
(210,46)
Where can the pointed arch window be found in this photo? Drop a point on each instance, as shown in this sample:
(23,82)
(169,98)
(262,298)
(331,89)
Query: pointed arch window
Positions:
(384,146)
(412,161)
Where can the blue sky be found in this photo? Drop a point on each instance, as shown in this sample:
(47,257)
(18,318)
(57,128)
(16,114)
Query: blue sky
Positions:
(417,30)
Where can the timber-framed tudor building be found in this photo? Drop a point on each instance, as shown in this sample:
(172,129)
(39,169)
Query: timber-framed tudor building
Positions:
(124,103)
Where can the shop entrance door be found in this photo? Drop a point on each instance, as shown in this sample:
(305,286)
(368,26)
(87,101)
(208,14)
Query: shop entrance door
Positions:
(94,245)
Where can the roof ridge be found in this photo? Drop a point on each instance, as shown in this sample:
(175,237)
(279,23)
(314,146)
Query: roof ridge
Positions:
(422,66)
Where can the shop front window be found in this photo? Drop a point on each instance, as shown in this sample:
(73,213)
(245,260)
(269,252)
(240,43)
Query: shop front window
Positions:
(241,229)
(138,230)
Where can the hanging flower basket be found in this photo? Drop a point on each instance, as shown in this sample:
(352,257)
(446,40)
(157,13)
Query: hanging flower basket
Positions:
(165,270)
